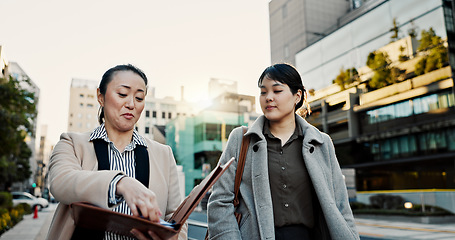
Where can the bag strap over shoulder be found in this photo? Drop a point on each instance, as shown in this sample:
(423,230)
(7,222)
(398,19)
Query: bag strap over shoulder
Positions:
(240,166)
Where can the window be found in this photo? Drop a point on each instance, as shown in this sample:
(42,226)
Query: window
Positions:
(198,133)
(163,115)
(154,114)
(147,113)
(213,132)
(386,149)
(147,130)
(408,108)
(451,139)
(81,95)
(356,4)
(403,109)
(169,115)
(89,105)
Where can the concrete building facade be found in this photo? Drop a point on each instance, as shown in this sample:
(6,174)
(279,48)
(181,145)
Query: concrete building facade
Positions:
(295,24)
(398,138)
(83,106)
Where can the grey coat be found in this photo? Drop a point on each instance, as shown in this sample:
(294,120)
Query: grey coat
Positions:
(255,197)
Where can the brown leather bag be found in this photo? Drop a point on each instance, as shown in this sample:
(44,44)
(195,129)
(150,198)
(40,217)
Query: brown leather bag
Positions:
(239,172)
(238,175)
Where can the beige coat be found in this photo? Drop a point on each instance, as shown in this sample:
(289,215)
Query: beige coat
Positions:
(74,177)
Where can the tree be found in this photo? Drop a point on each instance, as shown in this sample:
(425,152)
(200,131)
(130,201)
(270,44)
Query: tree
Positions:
(384,73)
(396,31)
(17,114)
(346,77)
(435,53)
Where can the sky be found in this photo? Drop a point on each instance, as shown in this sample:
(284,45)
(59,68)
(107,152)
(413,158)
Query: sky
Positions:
(176,43)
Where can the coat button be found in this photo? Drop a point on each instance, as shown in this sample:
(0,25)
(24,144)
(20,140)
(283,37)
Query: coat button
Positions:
(255,148)
(311,149)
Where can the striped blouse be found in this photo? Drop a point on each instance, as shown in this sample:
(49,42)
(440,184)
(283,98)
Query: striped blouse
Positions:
(122,161)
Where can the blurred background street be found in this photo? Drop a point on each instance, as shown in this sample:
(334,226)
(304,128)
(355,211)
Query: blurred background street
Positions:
(36,229)
(378,75)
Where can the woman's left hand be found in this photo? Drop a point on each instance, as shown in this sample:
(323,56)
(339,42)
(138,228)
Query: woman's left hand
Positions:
(139,235)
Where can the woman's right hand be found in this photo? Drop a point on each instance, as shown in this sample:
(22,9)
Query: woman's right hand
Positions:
(141,200)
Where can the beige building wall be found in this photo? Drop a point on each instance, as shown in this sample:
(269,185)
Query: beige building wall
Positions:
(294,24)
(83,106)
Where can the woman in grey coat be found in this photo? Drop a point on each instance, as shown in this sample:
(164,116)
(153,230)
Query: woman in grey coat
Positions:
(292,186)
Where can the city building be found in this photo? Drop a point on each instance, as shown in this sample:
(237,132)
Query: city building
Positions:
(42,157)
(295,24)
(158,112)
(83,106)
(399,138)
(198,141)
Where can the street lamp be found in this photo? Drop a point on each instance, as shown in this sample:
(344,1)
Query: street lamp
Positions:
(408,205)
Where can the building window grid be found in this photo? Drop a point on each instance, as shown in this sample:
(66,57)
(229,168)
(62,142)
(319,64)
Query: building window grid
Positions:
(412,145)
(418,105)
(211,132)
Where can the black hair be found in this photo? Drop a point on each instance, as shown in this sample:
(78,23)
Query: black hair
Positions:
(108,76)
(287,74)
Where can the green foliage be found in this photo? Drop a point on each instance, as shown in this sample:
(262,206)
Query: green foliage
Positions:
(346,77)
(412,32)
(10,217)
(384,74)
(6,200)
(436,54)
(17,114)
(402,57)
(395,29)
(25,207)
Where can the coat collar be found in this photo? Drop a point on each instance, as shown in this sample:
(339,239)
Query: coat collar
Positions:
(310,133)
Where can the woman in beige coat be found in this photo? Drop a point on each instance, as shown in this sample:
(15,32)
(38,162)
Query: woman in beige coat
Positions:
(118,176)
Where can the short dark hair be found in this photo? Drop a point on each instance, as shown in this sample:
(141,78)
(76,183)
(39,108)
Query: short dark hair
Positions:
(287,74)
(107,78)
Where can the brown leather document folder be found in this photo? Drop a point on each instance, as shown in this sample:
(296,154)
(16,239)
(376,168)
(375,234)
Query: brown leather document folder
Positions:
(95,218)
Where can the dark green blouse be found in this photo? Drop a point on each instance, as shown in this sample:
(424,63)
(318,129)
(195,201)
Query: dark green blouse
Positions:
(290,183)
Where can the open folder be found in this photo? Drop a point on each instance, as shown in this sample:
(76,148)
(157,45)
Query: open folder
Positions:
(99,219)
